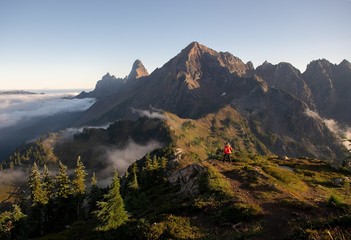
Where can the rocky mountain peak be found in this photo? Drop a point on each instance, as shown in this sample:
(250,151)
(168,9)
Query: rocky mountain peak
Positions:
(345,64)
(285,76)
(138,70)
(108,76)
(319,64)
(250,66)
(196,60)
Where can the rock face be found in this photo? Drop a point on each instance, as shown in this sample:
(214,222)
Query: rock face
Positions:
(285,76)
(188,178)
(138,71)
(330,85)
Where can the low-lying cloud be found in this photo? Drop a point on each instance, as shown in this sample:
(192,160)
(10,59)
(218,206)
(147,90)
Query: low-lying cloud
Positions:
(16,108)
(153,113)
(70,132)
(121,159)
(17,176)
(342,131)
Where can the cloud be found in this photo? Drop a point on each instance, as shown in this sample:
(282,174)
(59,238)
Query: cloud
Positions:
(343,132)
(69,132)
(15,108)
(153,113)
(17,176)
(121,159)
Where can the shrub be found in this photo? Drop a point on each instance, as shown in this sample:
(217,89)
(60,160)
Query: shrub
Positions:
(173,227)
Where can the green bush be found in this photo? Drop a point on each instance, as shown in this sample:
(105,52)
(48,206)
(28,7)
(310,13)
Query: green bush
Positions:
(173,227)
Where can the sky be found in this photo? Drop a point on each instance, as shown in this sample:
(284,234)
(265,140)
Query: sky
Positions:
(65,44)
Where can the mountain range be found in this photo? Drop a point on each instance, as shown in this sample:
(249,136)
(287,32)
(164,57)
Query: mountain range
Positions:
(283,107)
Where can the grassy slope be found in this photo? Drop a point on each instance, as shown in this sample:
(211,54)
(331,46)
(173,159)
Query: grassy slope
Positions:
(204,136)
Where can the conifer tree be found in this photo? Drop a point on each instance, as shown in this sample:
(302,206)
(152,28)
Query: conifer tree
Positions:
(111,213)
(10,224)
(133,184)
(62,182)
(48,186)
(94,195)
(39,199)
(47,182)
(64,209)
(79,187)
(79,182)
(37,192)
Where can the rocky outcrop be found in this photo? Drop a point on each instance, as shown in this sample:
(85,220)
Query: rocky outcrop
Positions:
(188,178)
(138,71)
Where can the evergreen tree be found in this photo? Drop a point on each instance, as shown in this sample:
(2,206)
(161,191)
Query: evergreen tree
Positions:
(79,182)
(132,179)
(79,186)
(48,184)
(39,198)
(62,182)
(11,226)
(111,213)
(64,210)
(94,195)
(37,192)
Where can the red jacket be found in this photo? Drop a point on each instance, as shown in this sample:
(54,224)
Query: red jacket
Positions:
(227,149)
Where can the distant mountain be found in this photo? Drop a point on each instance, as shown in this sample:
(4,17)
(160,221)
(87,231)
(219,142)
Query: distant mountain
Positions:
(16,92)
(198,81)
(108,85)
(330,85)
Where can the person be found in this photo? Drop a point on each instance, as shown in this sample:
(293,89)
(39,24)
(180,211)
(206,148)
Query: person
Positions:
(227,151)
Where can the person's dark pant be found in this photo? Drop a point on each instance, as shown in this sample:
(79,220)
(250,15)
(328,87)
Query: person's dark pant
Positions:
(226,156)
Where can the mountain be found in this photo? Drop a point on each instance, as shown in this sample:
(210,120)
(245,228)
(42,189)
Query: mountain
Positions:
(108,85)
(199,81)
(284,76)
(138,71)
(16,92)
(330,85)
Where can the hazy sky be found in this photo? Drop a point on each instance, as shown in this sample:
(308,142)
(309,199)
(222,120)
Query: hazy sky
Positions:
(72,43)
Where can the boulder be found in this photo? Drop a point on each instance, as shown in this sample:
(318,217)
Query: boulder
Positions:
(187,178)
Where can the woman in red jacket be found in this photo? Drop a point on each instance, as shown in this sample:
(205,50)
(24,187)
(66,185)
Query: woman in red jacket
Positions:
(227,151)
